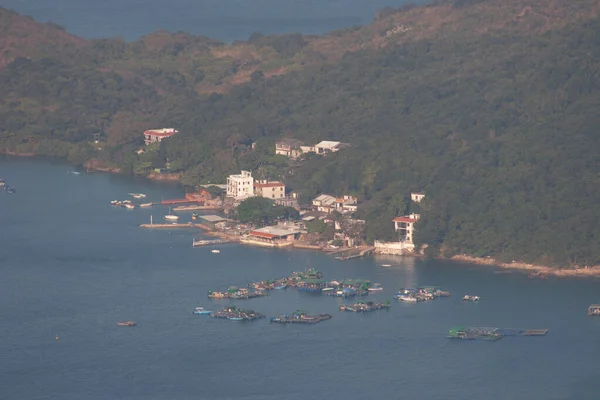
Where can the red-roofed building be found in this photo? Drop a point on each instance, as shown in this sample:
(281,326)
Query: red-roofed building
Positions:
(271,190)
(157,135)
(405,226)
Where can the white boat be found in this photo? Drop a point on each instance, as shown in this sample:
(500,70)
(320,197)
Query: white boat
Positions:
(386,265)
(376,287)
(171,217)
(146,205)
(408,299)
(216,251)
(201,310)
(137,195)
(468,297)
(115,202)
(129,206)
(327,289)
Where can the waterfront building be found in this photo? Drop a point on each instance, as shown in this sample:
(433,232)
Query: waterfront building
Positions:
(240,186)
(405,227)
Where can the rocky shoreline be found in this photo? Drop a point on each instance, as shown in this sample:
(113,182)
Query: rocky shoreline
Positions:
(582,272)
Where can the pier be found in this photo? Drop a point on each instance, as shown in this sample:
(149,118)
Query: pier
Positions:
(354,252)
(175,225)
(208,242)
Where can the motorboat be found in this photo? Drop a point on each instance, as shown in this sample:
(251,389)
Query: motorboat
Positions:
(137,195)
(406,298)
(146,205)
(129,206)
(469,297)
(386,265)
(215,251)
(201,310)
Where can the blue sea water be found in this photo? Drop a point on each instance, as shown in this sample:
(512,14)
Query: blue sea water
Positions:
(226,20)
(72,265)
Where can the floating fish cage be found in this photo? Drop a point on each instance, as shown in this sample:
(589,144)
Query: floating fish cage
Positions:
(365,307)
(300,317)
(486,333)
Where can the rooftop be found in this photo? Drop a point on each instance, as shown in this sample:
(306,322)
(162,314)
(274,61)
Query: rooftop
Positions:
(268,184)
(405,219)
(328,144)
(213,218)
(161,132)
(272,232)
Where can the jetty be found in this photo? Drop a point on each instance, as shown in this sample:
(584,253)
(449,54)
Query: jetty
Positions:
(490,334)
(173,225)
(208,242)
(237,314)
(300,317)
(365,306)
(353,252)
(594,310)
(195,208)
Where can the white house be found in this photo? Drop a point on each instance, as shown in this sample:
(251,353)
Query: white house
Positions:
(347,204)
(324,147)
(417,196)
(288,147)
(158,135)
(405,226)
(240,186)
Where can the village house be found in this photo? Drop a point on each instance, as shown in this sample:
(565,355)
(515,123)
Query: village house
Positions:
(240,186)
(271,190)
(326,146)
(405,226)
(346,205)
(288,201)
(324,203)
(158,135)
(289,147)
(417,197)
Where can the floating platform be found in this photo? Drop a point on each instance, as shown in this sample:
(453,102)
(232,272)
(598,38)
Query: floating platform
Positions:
(365,307)
(237,294)
(300,317)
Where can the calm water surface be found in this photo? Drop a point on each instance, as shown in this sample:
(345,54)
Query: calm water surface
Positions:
(70,264)
(226,20)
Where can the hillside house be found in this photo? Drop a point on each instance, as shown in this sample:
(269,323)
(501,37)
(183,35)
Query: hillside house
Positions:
(271,190)
(158,135)
(240,186)
(417,196)
(325,147)
(289,147)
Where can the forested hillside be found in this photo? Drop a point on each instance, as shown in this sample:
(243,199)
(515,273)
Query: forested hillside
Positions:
(490,107)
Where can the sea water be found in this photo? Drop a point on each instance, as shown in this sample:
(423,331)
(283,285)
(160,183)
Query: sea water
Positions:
(72,265)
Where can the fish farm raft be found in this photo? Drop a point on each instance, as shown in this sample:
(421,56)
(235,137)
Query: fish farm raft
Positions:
(300,317)
(236,314)
(483,333)
(365,306)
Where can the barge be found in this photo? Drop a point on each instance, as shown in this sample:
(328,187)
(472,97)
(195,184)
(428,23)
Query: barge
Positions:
(365,306)
(300,317)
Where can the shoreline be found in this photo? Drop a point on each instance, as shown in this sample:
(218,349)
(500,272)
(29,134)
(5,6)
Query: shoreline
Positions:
(585,272)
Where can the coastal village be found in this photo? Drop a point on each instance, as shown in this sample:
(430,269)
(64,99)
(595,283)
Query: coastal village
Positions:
(336,210)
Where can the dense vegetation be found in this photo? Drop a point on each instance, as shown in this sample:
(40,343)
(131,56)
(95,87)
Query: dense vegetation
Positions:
(262,211)
(497,125)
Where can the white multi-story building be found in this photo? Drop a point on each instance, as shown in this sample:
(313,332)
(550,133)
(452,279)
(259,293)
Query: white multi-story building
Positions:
(240,186)
(405,226)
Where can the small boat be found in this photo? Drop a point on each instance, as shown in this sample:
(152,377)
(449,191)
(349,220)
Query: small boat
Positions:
(171,217)
(216,251)
(406,298)
(126,323)
(201,310)
(146,205)
(74,172)
(129,206)
(115,202)
(9,190)
(2,182)
(137,195)
(386,265)
(236,318)
(376,287)
(327,289)
(468,297)
(279,287)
